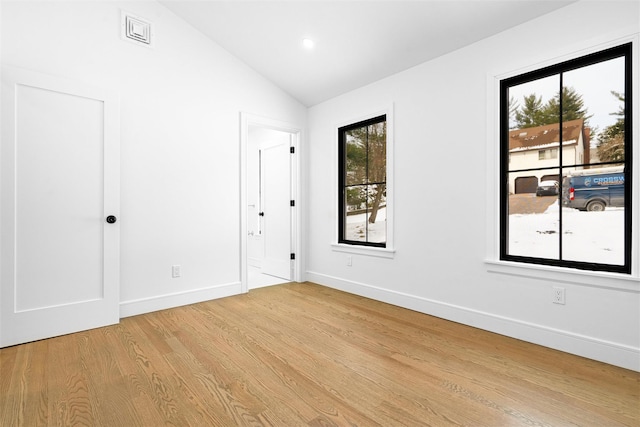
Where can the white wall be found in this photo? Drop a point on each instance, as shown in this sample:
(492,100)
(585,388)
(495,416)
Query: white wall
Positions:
(180,152)
(442,201)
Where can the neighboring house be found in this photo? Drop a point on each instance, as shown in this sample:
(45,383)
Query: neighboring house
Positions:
(537,147)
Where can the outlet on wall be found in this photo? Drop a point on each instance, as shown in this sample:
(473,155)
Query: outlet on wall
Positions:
(175,271)
(558,295)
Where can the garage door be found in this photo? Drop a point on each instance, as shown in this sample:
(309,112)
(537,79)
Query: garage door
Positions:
(526,184)
(550,178)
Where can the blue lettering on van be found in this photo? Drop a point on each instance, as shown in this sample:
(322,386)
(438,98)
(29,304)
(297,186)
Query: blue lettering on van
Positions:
(608,180)
(587,181)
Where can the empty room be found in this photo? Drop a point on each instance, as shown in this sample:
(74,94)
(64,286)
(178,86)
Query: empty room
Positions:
(319,213)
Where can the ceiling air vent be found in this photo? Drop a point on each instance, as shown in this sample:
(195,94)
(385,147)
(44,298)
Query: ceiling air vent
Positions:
(136,29)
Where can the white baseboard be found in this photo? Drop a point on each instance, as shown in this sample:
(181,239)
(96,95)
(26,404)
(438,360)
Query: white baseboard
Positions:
(162,302)
(604,351)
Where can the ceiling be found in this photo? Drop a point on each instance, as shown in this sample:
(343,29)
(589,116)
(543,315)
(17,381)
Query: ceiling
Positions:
(356,42)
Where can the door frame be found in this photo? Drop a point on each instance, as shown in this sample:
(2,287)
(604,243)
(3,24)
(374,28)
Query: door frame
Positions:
(246,121)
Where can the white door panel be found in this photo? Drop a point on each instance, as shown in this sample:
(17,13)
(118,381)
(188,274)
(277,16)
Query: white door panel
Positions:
(60,179)
(276,194)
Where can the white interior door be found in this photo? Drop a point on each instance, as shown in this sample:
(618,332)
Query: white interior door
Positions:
(59,181)
(276,198)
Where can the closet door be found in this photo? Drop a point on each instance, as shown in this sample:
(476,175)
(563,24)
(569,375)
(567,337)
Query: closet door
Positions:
(276,196)
(59,207)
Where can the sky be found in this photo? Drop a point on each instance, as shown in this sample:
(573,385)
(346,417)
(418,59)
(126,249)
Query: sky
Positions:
(594,83)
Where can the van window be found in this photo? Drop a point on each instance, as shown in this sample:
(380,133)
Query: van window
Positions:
(565,164)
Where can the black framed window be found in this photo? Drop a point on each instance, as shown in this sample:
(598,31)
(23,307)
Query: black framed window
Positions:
(362,153)
(566,164)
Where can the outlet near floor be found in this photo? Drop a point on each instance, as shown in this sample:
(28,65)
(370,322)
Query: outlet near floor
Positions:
(175,271)
(558,295)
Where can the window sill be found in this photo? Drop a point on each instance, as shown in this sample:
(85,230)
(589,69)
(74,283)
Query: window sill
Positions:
(623,282)
(364,250)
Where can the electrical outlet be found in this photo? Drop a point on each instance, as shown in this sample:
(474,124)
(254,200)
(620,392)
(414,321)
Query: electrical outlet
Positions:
(175,271)
(349,261)
(558,295)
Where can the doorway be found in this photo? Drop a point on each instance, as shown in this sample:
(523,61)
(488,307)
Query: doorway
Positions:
(270,203)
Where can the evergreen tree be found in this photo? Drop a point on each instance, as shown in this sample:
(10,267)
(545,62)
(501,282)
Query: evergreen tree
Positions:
(534,113)
(529,115)
(356,156)
(572,107)
(620,112)
(513,109)
(611,139)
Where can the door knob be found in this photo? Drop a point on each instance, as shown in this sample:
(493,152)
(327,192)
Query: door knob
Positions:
(111,219)
(261,214)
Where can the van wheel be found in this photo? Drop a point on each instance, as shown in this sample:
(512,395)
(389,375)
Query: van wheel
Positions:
(595,206)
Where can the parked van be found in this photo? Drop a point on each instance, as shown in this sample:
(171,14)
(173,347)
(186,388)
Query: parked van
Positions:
(594,189)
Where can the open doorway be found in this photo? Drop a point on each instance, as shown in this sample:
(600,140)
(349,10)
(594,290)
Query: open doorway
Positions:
(269,211)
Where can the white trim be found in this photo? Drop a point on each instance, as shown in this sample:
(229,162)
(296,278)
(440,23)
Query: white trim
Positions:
(177,299)
(605,351)
(363,250)
(619,281)
(595,279)
(389,250)
(297,221)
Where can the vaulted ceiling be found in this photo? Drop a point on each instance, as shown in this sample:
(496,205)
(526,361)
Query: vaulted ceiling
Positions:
(355,42)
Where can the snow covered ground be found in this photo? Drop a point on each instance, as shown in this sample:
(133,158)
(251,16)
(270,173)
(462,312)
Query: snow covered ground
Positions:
(587,236)
(356,227)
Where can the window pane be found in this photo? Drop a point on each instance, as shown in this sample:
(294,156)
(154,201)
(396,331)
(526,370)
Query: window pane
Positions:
(355,224)
(366,214)
(593,215)
(377,152)
(377,214)
(532,223)
(534,135)
(529,103)
(356,156)
(534,139)
(596,94)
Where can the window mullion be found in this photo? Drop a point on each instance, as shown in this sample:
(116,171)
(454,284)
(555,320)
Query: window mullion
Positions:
(367,191)
(560,170)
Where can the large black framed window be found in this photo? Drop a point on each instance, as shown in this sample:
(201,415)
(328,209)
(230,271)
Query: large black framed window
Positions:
(566,163)
(362,182)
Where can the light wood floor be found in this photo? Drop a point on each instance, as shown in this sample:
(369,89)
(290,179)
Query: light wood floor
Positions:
(305,355)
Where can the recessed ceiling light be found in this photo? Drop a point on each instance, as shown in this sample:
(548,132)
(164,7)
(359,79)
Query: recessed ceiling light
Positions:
(308,43)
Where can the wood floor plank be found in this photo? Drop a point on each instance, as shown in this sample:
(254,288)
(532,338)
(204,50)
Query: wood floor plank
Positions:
(26,385)
(68,389)
(305,355)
